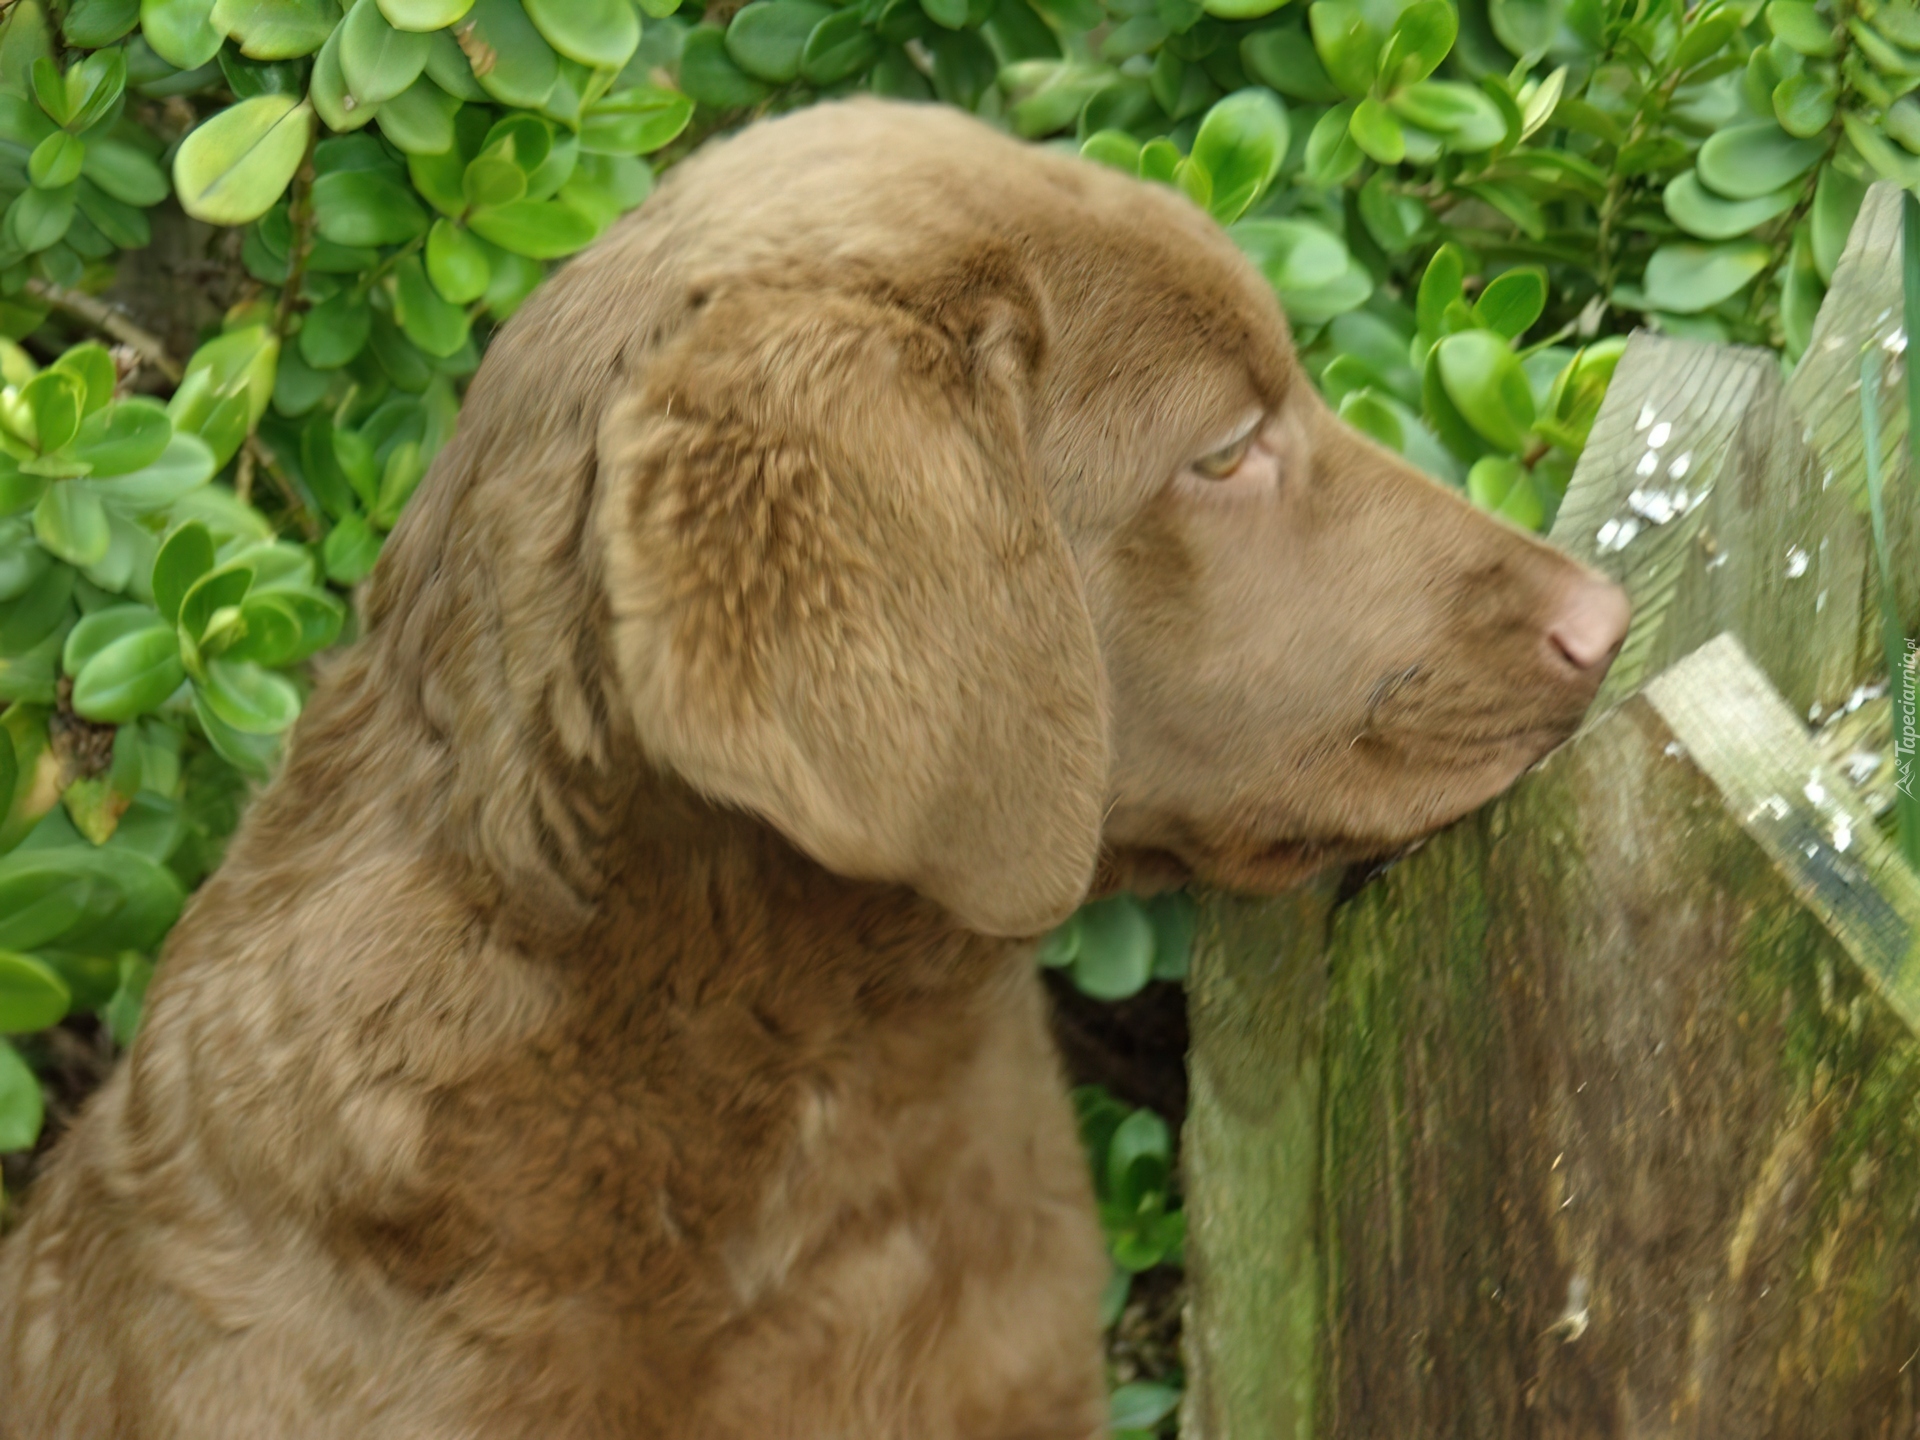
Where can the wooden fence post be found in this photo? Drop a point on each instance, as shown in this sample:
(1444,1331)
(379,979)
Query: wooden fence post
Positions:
(1600,1113)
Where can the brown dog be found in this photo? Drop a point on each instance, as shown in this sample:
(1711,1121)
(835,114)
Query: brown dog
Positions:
(615,1021)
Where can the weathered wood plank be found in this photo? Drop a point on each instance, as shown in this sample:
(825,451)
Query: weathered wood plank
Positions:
(1727,499)
(1622,1114)
(1619,1092)
(1257,1005)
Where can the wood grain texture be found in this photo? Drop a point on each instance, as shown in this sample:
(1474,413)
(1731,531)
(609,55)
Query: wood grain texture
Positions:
(1622,1113)
(1618,1122)
(1257,1003)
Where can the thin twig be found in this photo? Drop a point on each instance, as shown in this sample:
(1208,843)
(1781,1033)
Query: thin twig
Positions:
(289,493)
(103,317)
(300,246)
(243,475)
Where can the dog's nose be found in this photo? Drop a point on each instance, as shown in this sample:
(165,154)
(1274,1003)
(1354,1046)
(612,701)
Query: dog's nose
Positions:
(1589,624)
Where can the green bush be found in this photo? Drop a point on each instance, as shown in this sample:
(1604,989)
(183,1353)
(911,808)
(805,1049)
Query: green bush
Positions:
(1463,207)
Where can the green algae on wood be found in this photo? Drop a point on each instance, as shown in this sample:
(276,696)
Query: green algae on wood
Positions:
(1621,1110)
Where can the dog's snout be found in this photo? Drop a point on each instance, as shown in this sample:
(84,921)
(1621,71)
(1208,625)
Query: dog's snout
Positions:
(1588,624)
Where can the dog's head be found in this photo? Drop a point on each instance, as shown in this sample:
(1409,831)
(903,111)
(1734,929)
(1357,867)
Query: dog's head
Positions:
(963,510)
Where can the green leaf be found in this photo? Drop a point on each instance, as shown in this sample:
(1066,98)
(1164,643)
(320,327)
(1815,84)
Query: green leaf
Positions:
(1419,41)
(93,367)
(1706,36)
(129,676)
(55,399)
(434,324)
(1803,104)
(22,1108)
(767,38)
(127,174)
(1159,160)
(424,15)
(232,167)
(276,29)
(1686,279)
(122,438)
(448,68)
(184,466)
(510,59)
(1393,219)
(1377,133)
(419,120)
(122,1012)
(1526,27)
(600,34)
(41,610)
(1332,158)
(456,263)
(1283,58)
(102,628)
(1141,1405)
(216,591)
(709,74)
(1465,116)
(1173,917)
(1115,148)
(184,558)
(639,120)
(1903,122)
(376,60)
(1116,949)
(366,207)
(180,31)
(1700,212)
(350,550)
(45,893)
(839,47)
(72,523)
(1240,145)
(92,24)
(1059,949)
(149,901)
(1512,302)
(37,219)
(253,755)
(1513,201)
(1888,161)
(332,98)
(19,491)
(1798,24)
(32,997)
(56,160)
(1502,486)
(250,699)
(492,180)
(1749,161)
(1348,46)
(1373,417)
(1486,384)
(1140,1148)
(1293,255)
(1836,203)
(538,229)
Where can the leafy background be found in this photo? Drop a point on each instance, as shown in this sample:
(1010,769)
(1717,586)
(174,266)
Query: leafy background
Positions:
(252,249)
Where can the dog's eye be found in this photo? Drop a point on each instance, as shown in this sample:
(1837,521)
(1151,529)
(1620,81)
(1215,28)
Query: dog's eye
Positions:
(1221,464)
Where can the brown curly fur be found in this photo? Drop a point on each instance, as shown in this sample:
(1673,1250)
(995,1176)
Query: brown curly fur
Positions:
(603,1026)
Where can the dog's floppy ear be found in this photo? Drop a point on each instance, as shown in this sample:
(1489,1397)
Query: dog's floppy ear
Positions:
(839,600)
